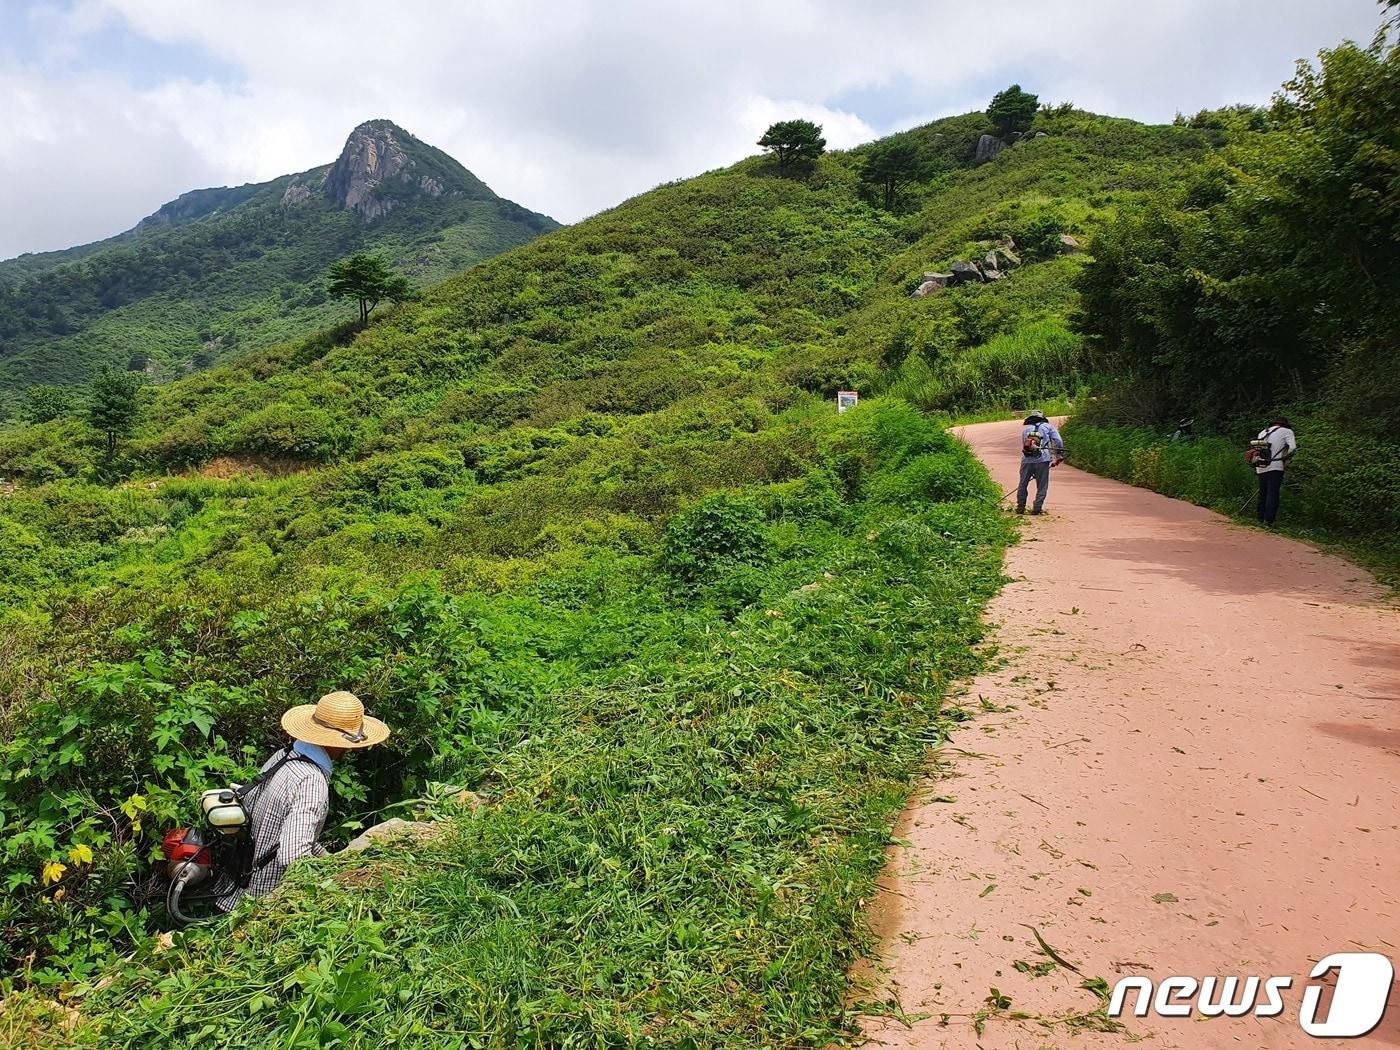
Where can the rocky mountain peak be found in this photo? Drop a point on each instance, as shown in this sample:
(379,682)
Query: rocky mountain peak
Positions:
(373,154)
(380,164)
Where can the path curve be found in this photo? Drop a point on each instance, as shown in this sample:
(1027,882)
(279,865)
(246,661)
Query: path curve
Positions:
(1197,709)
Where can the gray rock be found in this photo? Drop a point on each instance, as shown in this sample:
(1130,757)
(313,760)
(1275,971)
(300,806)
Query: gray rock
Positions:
(966,272)
(993,275)
(1040,135)
(1001,259)
(988,146)
(295,194)
(372,155)
(932,287)
(1068,243)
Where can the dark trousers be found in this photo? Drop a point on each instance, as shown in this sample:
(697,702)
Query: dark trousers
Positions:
(1041,472)
(1270,482)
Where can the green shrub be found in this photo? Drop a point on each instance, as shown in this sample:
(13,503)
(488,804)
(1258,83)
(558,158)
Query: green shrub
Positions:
(942,477)
(291,431)
(720,531)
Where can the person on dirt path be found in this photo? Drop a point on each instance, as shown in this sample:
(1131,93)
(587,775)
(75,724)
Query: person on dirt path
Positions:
(1041,449)
(291,807)
(1274,447)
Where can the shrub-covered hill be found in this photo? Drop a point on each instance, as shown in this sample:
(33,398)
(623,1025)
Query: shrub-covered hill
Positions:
(1264,281)
(221,272)
(583,525)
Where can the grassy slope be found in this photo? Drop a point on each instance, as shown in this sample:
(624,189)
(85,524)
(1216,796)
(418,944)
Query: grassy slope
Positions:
(694,758)
(207,287)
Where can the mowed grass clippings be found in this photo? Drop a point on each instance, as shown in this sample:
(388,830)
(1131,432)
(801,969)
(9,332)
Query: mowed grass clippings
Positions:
(680,845)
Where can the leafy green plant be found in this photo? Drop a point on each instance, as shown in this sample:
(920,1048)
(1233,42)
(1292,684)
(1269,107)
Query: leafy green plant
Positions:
(719,531)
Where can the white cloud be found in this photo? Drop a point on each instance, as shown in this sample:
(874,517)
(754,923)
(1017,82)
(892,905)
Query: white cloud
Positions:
(570,107)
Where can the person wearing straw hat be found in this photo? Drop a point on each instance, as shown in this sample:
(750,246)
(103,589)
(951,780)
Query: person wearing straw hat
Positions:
(1041,449)
(290,808)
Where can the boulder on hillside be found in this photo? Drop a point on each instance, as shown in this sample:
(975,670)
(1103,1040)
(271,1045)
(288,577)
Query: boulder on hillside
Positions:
(1069,243)
(966,272)
(1000,259)
(932,282)
(992,275)
(988,146)
(1040,135)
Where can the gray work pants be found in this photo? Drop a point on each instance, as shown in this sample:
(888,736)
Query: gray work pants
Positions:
(1040,470)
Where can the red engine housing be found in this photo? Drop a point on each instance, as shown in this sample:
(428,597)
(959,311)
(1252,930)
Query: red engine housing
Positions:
(182,844)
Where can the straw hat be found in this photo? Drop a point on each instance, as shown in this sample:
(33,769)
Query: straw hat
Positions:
(336,720)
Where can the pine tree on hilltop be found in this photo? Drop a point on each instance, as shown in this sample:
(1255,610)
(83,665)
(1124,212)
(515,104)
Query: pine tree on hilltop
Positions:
(791,140)
(1012,110)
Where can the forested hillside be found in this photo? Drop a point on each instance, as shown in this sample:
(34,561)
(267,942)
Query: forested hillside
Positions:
(1265,281)
(584,526)
(222,272)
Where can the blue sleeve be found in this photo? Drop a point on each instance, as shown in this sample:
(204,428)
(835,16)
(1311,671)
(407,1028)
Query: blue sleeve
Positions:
(1055,437)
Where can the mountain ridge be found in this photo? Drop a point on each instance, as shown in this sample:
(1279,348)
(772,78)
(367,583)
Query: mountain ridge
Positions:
(184,287)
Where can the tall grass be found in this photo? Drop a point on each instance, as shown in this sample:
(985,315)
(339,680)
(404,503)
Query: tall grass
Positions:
(693,754)
(1033,362)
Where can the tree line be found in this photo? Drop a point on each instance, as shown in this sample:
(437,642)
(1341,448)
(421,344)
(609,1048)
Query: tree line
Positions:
(894,162)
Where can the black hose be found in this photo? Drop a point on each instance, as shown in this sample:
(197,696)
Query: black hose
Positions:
(177,888)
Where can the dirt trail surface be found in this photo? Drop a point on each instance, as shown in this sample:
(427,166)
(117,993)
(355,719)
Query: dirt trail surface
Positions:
(1192,766)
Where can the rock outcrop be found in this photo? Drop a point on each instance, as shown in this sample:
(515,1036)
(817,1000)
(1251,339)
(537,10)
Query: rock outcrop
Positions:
(1001,259)
(965,272)
(931,283)
(295,193)
(988,146)
(372,155)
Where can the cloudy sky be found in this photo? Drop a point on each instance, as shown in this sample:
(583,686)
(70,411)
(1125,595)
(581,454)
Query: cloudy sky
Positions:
(109,108)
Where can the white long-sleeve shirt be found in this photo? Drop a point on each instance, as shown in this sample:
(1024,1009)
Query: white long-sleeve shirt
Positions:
(1282,444)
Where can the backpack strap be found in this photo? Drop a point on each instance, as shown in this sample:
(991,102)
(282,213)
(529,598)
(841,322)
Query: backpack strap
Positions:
(245,793)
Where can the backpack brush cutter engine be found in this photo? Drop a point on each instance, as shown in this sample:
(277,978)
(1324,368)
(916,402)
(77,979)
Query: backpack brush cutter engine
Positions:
(195,857)
(203,863)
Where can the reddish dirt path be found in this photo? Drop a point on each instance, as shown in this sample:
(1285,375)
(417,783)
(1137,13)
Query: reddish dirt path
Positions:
(1196,709)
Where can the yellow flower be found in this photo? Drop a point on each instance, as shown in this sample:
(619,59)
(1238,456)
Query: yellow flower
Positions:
(53,871)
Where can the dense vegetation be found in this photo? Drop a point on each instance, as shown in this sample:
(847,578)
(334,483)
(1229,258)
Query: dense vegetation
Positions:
(221,272)
(1266,280)
(583,525)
